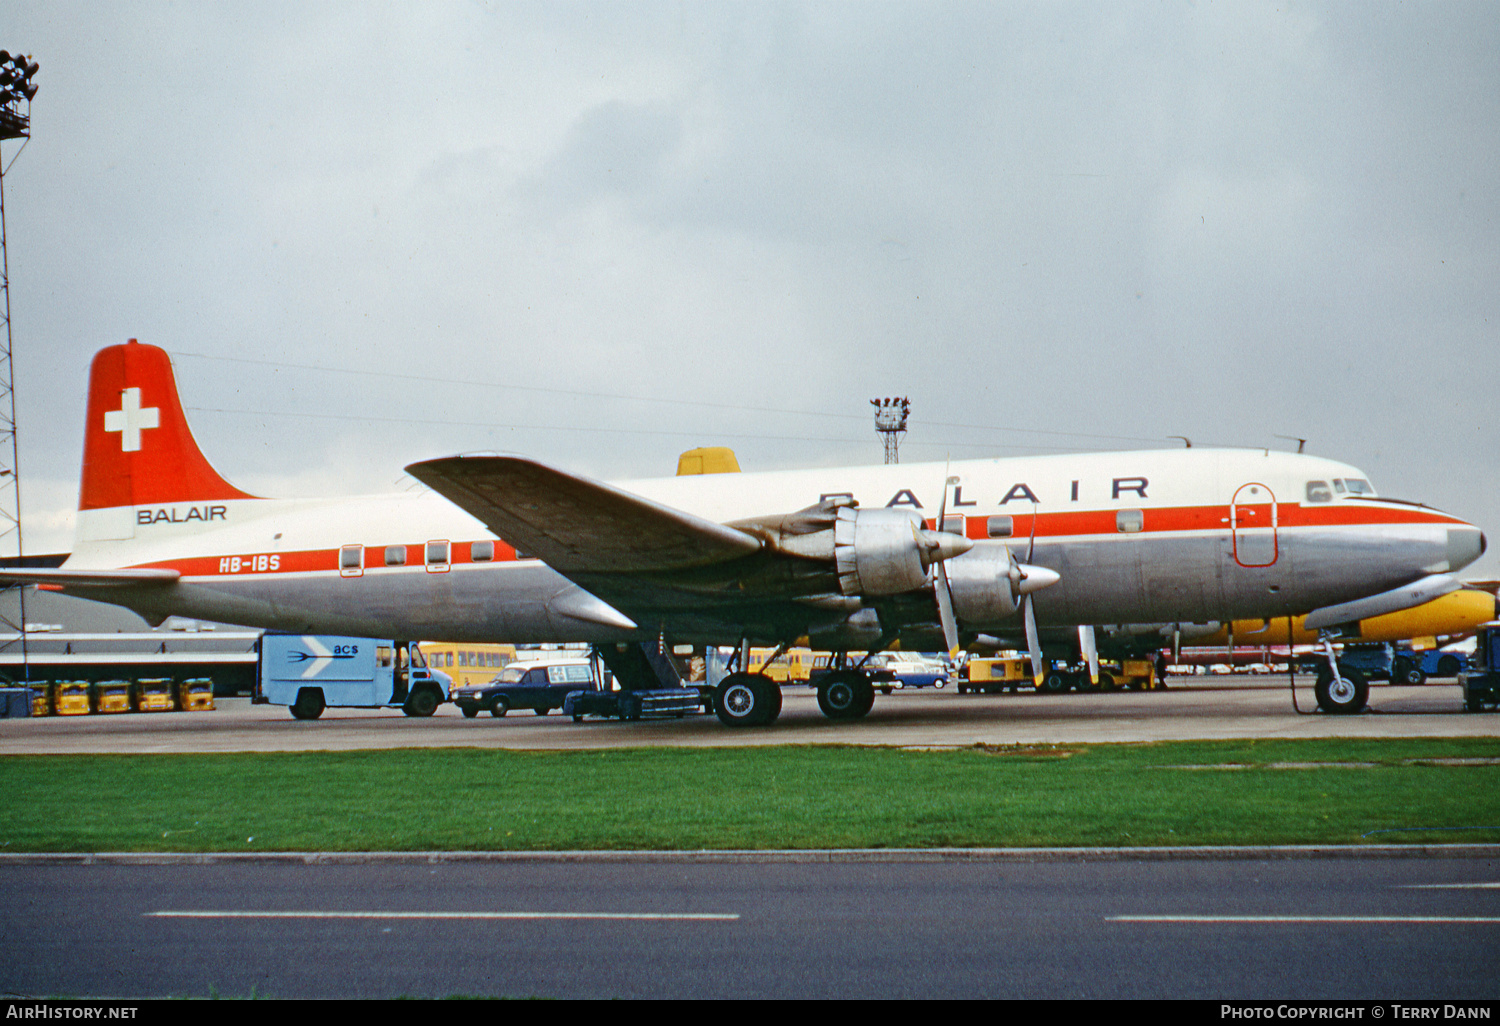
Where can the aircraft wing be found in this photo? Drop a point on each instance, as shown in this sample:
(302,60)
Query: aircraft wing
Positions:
(577,525)
(90,578)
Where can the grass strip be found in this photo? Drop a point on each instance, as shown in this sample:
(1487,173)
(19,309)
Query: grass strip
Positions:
(1325,791)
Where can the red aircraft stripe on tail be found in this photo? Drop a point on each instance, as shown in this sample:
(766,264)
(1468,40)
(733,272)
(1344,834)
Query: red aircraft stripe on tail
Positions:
(137,447)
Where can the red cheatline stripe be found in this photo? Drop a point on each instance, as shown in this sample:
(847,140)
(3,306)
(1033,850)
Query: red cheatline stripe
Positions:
(1050,526)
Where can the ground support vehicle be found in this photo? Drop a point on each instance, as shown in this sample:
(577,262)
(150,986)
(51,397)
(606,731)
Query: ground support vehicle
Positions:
(69,697)
(1481,681)
(15,702)
(635,705)
(990,675)
(193,695)
(109,696)
(151,694)
(1135,674)
(309,673)
(1411,667)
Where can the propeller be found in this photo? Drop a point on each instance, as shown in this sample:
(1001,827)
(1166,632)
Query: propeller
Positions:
(942,588)
(1019,579)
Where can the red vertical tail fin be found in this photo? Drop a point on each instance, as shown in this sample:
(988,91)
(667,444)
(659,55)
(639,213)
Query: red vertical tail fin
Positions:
(137,447)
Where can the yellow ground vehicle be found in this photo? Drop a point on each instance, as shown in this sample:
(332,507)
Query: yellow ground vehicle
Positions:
(41,700)
(1136,674)
(470,665)
(69,697)
(1014,674)
(193,695)
(997,674)
(794,666)
(151,694)
(109,696)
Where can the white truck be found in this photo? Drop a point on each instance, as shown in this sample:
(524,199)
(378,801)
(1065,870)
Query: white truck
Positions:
(307,673)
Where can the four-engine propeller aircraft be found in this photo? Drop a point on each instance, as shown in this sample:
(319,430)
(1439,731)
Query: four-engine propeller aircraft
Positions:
(985,552)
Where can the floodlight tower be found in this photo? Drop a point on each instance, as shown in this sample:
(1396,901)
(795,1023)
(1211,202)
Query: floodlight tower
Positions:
(16,92)
(890,424)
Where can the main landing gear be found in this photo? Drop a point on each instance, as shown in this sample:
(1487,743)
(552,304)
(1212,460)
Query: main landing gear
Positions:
(754,699)
(845,694)
(747,700)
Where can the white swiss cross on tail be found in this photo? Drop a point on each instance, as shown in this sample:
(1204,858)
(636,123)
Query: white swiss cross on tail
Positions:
(130,420)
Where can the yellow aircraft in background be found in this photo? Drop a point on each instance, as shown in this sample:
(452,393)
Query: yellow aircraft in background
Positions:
(1452,617)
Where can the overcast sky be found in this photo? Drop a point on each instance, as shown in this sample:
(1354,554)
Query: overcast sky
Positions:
(602,233)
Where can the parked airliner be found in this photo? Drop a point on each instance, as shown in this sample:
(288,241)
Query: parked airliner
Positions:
(986,552)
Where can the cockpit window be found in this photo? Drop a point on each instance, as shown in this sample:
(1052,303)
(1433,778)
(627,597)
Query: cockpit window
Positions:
(1318,491)
(1354,485)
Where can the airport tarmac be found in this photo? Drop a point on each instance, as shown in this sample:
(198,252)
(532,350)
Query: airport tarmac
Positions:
(1192,708)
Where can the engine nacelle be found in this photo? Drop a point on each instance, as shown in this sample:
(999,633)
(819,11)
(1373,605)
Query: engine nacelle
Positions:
(982,591)
(887,551)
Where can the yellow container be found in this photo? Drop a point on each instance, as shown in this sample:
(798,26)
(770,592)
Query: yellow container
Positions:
(109,696)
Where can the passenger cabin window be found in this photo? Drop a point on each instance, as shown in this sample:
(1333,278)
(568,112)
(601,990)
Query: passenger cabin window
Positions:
(1129,521)
(1001,527)
(482,552)
(437,555)
(1318,491)
(953,525)
(352,560)
(395,555)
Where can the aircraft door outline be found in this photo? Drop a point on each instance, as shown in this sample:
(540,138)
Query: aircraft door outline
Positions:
(1253,525)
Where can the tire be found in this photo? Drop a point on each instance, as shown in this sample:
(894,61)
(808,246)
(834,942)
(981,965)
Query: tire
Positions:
(845,695)
(1447,666)
(543,711)
(1107,681)
(500,706)
(421,702)
(1344,696)
(747,700)
(1055,683)
(309,704)
(469,711)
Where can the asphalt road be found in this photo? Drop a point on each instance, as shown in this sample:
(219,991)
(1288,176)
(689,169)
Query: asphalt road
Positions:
(1331,928)
(1193,708)
(1343,928)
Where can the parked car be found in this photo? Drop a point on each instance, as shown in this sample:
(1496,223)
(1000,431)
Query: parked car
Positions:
(892,673)
(540,685)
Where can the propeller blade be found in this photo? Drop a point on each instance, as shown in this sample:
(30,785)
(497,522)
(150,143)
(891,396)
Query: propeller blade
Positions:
(1033,643)
(1090,650)
(940,586)
(945,611)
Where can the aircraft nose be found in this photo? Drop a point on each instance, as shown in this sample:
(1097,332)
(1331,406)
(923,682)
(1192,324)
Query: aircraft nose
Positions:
(1465,544)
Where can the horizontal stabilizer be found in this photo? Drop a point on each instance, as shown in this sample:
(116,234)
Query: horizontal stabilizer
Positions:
(576,524)
(89,578)
(1405,597)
